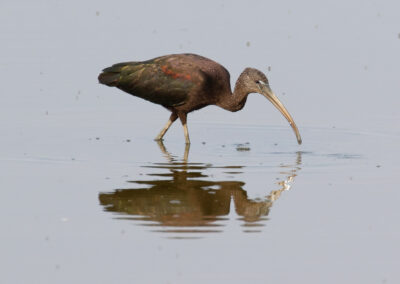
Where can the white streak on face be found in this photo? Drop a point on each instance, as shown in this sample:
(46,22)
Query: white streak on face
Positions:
(260,83)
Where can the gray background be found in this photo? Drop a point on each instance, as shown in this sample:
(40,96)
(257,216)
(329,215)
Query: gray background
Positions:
(335,65)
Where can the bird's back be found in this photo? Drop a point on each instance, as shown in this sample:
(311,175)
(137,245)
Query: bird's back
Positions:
(168,80)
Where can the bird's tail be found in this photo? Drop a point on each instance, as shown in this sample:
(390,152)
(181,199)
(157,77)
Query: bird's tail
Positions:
(111,75)
(109,79)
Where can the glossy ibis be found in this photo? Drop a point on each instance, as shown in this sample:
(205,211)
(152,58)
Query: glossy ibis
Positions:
(183,83)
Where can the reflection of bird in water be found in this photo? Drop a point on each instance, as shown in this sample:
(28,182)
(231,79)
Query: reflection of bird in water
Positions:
(185,196)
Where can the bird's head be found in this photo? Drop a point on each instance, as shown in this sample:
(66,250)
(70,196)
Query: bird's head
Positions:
(255,81)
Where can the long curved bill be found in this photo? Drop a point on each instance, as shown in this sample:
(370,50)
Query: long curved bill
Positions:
(269,94)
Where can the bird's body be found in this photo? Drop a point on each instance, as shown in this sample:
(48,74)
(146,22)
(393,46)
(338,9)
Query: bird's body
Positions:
(183,83)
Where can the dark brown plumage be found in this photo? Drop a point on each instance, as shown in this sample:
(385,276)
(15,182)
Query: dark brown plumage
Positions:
(183,83)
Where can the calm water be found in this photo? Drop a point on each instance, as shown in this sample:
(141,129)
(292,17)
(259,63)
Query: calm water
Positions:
(89,197)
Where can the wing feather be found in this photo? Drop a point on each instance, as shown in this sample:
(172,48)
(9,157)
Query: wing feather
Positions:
(162,80)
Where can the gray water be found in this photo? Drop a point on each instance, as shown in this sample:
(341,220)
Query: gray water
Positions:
(89,197)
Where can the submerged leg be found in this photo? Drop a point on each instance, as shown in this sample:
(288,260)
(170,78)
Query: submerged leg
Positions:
(164,151)
(183,118)
(168,155)
(171,120)
(186,155)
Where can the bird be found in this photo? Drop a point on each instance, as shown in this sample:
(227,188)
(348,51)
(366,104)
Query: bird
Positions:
(183,83)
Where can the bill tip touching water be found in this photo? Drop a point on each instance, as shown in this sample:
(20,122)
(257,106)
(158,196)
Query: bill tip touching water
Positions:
(183,83)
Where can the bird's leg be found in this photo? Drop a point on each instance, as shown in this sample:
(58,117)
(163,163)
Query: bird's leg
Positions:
(183,118)
(171,120)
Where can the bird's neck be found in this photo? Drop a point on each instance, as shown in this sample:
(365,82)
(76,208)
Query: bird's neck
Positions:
(235,101)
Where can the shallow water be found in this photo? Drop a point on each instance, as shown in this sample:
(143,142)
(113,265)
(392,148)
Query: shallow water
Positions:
(89,197)
(208,213)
